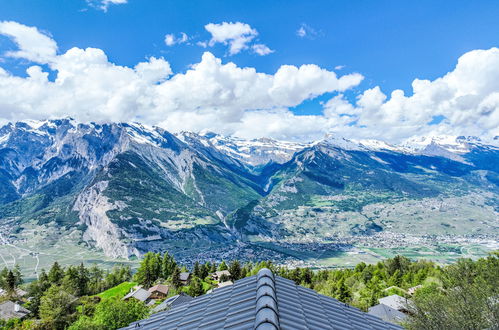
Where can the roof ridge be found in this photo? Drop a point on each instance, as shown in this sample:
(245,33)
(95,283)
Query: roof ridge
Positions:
(267,312)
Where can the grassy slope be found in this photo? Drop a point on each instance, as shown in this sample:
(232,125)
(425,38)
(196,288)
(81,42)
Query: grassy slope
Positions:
(118,291)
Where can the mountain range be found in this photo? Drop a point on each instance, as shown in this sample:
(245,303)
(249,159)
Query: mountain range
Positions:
(126,188)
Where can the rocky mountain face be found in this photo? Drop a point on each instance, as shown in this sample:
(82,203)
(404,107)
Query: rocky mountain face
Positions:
(127,188)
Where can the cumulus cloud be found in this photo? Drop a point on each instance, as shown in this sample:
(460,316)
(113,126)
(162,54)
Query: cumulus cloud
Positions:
(237,36)
(229,99)
(32,44)
(171,39)
(104,4)
(210,94)
(261,49)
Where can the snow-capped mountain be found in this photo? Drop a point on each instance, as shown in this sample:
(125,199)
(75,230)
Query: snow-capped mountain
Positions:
(127,188)
(255,152)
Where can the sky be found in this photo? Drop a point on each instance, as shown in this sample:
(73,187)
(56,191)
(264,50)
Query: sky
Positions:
(292,70)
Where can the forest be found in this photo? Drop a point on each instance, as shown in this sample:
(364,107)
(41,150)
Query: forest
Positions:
(464,295)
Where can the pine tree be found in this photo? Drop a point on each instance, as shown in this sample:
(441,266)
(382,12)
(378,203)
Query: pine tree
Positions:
(204,271)
(168,264)
(176,278)
(149,269)
(82,281)
(3,277)
(18,275)
(196,271)
(10,281)
(195,287)
(235,270)
(223,266)
(56,274)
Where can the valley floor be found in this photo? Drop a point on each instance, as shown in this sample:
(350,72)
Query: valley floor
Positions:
(39,247)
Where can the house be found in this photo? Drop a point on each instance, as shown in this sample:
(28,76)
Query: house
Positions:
(412,290)
(18,292)
(11,310)
(218,274)
(172,302)
(185,278)
(226,283)
(263,301)
(387,313)
(159,291)
(139,294)
(395,301)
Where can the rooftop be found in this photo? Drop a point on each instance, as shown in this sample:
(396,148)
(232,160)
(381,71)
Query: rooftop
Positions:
(184,276)
(139,294)
(159,288)
(387,313)
(394,301)
(10,310)
(263,301)
(172,302)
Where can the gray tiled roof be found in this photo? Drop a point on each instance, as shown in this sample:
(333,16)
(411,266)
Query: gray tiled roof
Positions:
(9,310)
(139,294)
(262,302)
(394,301)
(184,276)
(387,313)
(172,302)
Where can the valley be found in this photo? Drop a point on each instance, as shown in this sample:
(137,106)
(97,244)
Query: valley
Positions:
(108,193)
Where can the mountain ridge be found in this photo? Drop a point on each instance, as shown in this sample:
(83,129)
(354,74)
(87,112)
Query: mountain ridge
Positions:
(129,188)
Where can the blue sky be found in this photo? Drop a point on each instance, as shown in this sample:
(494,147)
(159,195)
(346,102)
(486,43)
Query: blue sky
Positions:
(390,43)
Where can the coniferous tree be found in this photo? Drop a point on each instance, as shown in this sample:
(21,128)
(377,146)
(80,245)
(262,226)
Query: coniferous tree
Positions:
(196,271)
(235,270)
(10,282)
(195,287)
(56,273)
(204,271)
(149,270)
(3,277)
(82,281)
(223,266)
(18,275)
(56,308)
(176,278)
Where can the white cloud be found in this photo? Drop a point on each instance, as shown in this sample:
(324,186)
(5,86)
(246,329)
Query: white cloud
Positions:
(33,45)
(306,31)
(225,98)
(171,40)
(467,98)
(301,32)
(261,49)
(210,94)
(237,36)
(104,4)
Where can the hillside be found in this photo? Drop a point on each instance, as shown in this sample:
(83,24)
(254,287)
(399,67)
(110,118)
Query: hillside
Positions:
(117,190)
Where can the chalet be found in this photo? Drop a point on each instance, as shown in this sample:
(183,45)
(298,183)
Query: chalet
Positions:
(18,292)
(185,278)
(395,301)
(263,301)
(159,291)
(11,310)
(139,294)
(387,313)
(173,302)
(218,274)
